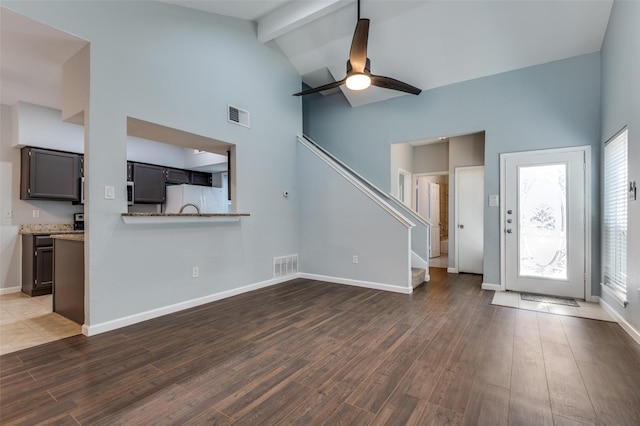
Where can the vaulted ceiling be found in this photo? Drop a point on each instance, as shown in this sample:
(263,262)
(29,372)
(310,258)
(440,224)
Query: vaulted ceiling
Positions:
(427,44)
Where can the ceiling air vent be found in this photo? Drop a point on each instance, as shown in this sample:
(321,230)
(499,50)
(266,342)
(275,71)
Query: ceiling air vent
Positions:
(238,116)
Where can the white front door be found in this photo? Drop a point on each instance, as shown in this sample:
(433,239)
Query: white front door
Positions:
(470,219)
(544,222)
(434,218)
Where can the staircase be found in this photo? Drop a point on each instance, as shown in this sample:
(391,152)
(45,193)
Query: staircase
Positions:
(365,200)
(417,276)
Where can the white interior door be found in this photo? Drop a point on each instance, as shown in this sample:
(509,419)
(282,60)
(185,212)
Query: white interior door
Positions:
(544,222)
(434,218)
(469,214)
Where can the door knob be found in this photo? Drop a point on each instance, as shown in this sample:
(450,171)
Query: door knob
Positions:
(509,211)
(509,220)
(509,231)
(461,226)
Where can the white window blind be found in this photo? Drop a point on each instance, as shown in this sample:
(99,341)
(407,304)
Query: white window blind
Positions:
(614,226)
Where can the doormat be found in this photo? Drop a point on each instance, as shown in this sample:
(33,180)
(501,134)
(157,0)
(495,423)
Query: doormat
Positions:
(567,301)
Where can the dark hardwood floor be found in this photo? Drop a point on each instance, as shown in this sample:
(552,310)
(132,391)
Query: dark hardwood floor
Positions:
(309,353)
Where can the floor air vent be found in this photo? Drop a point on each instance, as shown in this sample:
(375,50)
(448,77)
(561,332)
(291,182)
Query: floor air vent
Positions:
(285,265)
(238,116)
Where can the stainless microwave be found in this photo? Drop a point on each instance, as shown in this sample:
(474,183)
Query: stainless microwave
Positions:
(129,193)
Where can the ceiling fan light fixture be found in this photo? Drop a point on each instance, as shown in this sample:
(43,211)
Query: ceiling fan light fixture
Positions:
(358,81)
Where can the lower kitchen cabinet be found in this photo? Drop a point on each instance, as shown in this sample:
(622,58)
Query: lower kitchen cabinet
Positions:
(37,264)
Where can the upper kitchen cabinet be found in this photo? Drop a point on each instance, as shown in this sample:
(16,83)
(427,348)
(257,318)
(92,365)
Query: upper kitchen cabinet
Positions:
(201,178)
(49,175)
(149,183)
(176,176)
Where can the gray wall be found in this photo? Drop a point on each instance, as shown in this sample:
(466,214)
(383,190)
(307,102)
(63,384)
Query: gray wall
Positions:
(337,221)
(547,106)
(180,68)
(432,158)
(621,107)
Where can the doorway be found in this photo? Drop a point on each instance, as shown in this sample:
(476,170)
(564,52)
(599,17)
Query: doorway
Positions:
(544,218)
(432,203)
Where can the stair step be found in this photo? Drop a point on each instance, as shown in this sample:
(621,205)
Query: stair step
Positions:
(417,276)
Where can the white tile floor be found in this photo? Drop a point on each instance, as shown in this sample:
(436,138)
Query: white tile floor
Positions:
(29,321)
(586,309)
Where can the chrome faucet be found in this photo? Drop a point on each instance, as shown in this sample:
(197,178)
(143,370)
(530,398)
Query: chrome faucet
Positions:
(192,205)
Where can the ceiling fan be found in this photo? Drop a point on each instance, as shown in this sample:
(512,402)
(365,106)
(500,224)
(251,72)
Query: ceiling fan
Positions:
(359,76)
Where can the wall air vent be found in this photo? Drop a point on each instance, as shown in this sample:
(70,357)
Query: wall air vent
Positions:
(238,116)
(285,265)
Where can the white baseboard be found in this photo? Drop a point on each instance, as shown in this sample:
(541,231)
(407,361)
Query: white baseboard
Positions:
(92,330)
(9,290)
(631,331)
(358,283)
(489,286)
(452,270)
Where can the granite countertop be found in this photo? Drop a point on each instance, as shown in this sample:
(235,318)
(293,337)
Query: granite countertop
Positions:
(184,214)
(68,237)
(51,229)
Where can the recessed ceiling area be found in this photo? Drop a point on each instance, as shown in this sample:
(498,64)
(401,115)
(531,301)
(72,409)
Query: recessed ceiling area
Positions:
(32,58)
(427,44)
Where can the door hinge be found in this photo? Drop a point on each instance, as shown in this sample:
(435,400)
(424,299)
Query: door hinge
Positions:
(35,253)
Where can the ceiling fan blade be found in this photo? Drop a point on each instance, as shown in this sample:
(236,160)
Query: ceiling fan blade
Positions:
(358,53)
(392,83)
(320,88)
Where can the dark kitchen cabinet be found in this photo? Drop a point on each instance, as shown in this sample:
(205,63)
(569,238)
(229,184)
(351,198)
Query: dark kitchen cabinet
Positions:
(37,264)
(176,176)
(200,178)
(49,175)
(149,184)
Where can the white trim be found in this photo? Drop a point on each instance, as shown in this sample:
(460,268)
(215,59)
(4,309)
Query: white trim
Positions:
(618,296)
(358,283)
(408,187)
(452,270)
(92,330)
(489,286)
(586,149)
(411,212)
(418,262)
(9,290)
(631,331)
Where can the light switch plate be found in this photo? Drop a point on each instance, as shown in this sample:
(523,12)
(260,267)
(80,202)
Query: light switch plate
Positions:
(109,192)
(494,200)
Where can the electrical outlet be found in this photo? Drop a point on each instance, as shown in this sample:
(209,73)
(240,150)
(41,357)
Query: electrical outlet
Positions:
(196,272)
(36,213)
(355,259)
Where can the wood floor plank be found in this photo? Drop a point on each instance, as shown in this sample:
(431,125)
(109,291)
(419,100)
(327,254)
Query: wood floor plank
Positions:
(307,352)
(567,391)
(530,402)
(488,405)
(613,393)
(350,415)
